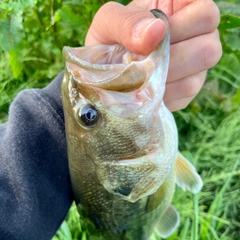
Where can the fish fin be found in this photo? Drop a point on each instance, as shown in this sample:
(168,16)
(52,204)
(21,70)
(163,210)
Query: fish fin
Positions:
(168,223)
(186,175)
(133,178)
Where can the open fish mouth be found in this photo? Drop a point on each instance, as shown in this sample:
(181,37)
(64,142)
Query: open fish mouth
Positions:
(124,82)
(108,67)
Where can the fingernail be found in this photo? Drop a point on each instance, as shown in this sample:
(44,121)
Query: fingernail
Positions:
(143,25)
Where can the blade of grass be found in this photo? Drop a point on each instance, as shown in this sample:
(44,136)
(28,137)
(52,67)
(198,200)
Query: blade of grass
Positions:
(196,214)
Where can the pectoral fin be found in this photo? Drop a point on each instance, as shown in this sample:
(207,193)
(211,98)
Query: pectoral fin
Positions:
(135,177)
(168,222)
(131,179)
(186,175)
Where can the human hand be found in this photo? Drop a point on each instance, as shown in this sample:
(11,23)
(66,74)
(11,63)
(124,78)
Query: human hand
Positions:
(195,44)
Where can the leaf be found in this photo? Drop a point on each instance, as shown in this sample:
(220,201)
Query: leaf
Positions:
(236,98)
(123,2)
(229,21)
(64,232)
(17,5)
(84,236)
(66,13)
(15,64)
(28,3)
(230,65)
(4,35)
(11,34)
(16,29)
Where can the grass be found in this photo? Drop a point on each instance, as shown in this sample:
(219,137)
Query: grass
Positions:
(209,128)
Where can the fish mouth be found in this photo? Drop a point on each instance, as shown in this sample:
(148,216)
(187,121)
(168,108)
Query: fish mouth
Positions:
(108,67)
(113,69)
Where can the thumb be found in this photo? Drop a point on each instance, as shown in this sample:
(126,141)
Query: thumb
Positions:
(133,27)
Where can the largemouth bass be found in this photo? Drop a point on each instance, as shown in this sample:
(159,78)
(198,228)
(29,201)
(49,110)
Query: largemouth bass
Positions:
(122,140)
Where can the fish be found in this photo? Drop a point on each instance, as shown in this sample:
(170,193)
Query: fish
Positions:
(122,140)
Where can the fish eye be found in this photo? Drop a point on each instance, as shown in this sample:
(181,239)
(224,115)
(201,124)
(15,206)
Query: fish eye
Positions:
(89,115)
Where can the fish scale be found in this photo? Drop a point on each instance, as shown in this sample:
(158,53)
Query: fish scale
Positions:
(124,139)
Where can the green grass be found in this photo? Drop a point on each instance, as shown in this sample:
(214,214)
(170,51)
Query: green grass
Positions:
(209,128)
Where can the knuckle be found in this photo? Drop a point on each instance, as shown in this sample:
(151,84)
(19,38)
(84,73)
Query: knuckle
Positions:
(212,51)
(128,20)
(212,16)
(102,31)
(184,104)
(106,11)
(193,85)
(109,6)
(179,104)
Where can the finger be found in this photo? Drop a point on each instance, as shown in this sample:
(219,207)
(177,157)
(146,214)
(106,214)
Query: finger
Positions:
(180,104)
(186,88)
(169,7)
(184,91)
(133,27)
(195,19)
(194,55)
(165,5)
(179,4)
(188,18)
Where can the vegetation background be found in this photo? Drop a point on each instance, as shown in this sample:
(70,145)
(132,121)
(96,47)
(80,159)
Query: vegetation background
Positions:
(32,35)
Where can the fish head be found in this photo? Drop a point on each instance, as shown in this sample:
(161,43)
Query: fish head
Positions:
(113,97)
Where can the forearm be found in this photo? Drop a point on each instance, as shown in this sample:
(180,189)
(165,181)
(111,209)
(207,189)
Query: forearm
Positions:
(35,192)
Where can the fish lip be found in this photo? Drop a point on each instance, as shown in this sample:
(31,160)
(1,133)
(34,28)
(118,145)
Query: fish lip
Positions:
(109,74)
(71,55)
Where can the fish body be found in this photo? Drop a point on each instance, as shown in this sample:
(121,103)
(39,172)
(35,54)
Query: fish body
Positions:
(122,140)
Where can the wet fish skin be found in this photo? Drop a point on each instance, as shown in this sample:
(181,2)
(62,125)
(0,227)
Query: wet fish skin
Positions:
(123,166)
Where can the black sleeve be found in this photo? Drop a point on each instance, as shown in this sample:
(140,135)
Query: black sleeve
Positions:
(35,190)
